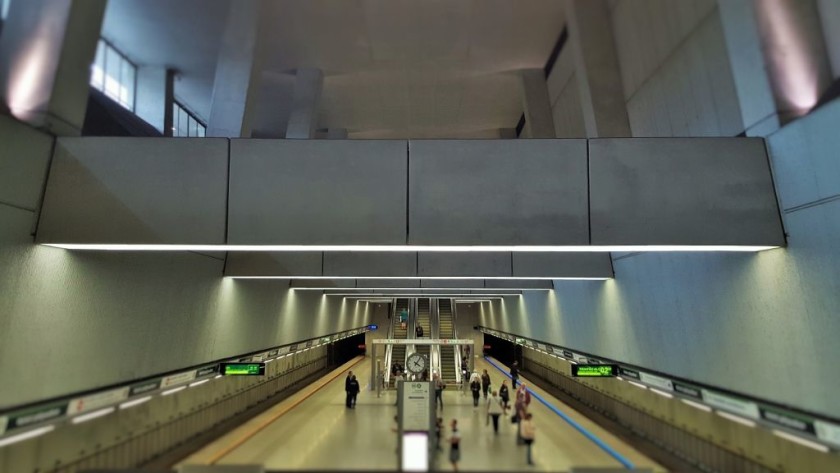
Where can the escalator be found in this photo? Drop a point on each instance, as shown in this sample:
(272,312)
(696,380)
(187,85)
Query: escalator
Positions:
(398,351)
(446,329)
(424,320)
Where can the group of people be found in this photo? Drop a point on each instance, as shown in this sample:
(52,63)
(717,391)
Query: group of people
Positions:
(351,388)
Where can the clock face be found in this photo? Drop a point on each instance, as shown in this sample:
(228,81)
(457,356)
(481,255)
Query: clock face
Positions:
(416,363)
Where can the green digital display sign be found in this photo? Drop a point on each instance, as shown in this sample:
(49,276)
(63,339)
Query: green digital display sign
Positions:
(243,369)
(594,371)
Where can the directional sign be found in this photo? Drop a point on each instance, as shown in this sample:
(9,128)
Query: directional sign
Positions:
(594,371)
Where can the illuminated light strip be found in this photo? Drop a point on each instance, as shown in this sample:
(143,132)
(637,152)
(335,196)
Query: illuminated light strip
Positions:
(735,418)
(410,248)
(198,383)
(173,391)
(801,441)
(662,393)
(26,435)
(93,415)
(638,385)
(333,288)
(421,294)
(135,402)
(697,405)
(429,278)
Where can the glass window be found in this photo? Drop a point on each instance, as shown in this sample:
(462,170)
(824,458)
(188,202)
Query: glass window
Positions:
(4,9)
(114,75)
(184,123)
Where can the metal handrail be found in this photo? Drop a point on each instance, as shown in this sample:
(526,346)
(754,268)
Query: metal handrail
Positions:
(389,348)
(458,349)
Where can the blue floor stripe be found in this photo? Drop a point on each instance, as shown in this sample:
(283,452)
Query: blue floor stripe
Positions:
(621,459)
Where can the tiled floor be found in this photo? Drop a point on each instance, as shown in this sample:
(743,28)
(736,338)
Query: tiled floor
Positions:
(320,433)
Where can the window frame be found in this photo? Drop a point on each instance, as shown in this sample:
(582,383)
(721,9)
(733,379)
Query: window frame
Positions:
(123,60)
(192,119)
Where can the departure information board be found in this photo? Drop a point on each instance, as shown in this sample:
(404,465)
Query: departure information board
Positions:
(594,371)
(243,369)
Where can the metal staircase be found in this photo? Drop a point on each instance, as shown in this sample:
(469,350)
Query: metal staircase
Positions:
(446,329)
(398,351)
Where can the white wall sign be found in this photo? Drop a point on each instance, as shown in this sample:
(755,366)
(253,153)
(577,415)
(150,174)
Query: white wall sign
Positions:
(731,404)
(657,381)
(580,358)
(179,378)
(98,400)
(828,432)
(416,407)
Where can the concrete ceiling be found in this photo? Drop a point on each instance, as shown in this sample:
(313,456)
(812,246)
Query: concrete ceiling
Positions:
(393,68)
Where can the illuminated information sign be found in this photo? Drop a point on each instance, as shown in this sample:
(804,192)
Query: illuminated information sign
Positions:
(594,371)
(243,369)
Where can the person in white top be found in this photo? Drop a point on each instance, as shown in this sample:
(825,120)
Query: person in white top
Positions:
(527,431)
(495,408)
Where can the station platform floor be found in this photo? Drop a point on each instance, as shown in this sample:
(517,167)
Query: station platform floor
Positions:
(314,430)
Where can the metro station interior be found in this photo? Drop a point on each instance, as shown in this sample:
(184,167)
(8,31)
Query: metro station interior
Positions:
(221,219)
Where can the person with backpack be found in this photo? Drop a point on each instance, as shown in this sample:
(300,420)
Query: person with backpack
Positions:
(354,391)
(514,373)
(475,387)
(495,408)
(439,386)
(527,431)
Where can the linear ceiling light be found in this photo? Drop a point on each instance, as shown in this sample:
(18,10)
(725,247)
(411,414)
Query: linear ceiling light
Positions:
(801,441)
(428,278)
(420,294)
(337,288)
(26,435)
(410,248)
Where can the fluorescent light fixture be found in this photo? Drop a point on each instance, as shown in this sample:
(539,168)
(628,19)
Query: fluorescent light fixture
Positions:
(429,278)
(217,376)
(410,248)
(421,294)
(697,405)
(413,288)
(135,402)
(198,383)
(735,418)
(26,435)
(662,393)
(173,391)
(617,377)
(638,385)
(801,441)
(93,415)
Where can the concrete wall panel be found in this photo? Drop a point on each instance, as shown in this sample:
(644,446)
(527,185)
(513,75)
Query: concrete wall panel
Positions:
(366,263)
(467,264)
(317,192)
(302,263)
(558,265)
(501,192)
(24,158)
(682,192)
(136,190)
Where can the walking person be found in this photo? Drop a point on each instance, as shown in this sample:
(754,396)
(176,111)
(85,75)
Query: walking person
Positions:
(485,383)
(527,431)
(495,408)
(514,373)
(439,387)
(354,391)
(455,445)
(475,387)
(347,388)
(418,331)
(523,400)
(504,394)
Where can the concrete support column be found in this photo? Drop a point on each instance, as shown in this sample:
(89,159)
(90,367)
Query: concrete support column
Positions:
(597,70)
(45,55)
(155,94)
(507,133)
(238,71)
(337,134)
(536,104)
(303,121)
(794,53)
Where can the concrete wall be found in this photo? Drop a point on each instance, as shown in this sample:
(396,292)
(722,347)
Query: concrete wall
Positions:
(564,95)
(763,324)
(830,18)
(677,79)
(72,321)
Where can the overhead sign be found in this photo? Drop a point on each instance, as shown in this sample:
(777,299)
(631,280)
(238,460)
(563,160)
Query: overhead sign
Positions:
(206,371)
(242,369)
(95,401)
(828,432)
(423,341)
(144,387)
(179,378)
(594,371)
(657,381)
(731,404)
(687,390)
(627,372)
(373,327)
(36,415)
(789,420)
